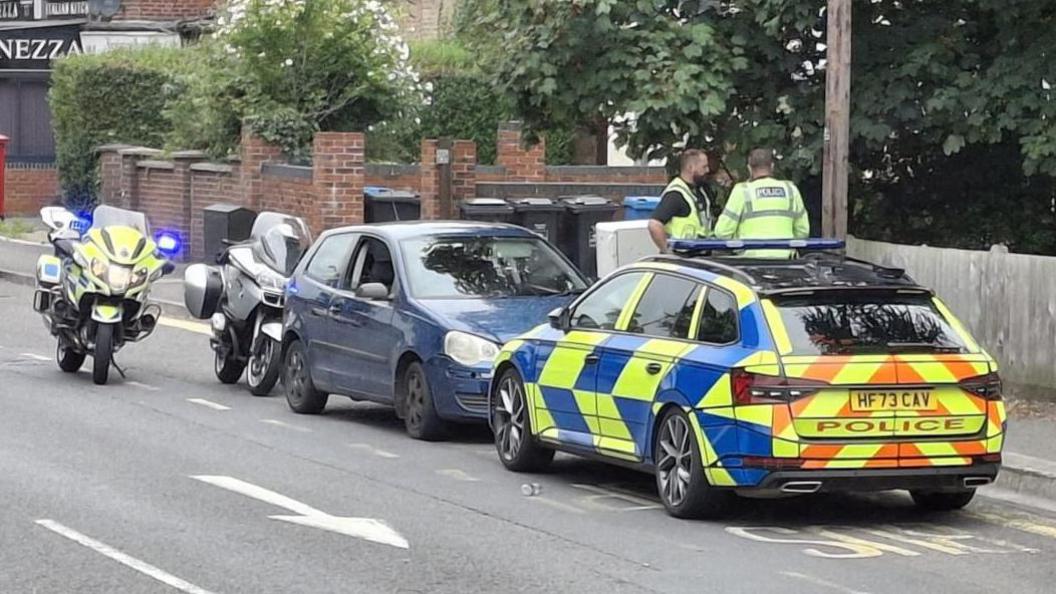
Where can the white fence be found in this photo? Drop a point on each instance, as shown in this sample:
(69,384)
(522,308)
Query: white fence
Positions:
(1008,301)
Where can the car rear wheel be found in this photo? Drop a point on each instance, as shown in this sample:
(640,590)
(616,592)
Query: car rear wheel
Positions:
(684,490)
(301,394)
(942,500)
(422,421)
(517,447)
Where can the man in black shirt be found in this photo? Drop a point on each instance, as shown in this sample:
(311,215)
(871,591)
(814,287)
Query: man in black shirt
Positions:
(684,211)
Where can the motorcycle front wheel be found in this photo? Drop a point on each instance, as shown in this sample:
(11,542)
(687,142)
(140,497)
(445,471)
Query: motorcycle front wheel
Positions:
(263,369)
(104,352)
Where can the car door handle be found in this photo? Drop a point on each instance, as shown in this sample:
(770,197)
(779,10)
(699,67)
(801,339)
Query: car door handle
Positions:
(654,368)
(591,359)
(335,309)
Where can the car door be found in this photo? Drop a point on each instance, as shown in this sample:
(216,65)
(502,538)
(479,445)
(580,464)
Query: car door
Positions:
(654,335)
(310,301)
(365,329)
(566,410)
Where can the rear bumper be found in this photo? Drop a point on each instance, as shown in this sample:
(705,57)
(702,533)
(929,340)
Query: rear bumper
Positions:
(939,479)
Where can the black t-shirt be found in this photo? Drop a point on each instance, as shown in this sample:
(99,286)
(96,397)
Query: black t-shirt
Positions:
(672,205)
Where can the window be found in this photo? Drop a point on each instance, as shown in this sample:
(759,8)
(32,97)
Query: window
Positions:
(718,318)
(600,309)
(372,264)
(329,259)
(666,308)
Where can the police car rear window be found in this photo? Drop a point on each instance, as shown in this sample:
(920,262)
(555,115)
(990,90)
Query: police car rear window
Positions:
(848,323)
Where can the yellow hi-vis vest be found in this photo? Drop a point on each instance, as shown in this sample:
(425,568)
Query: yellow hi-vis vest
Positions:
(764,208)
(691,226)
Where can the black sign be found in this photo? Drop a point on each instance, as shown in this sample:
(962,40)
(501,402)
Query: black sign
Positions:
(15,10)
(35,48)
(61,9)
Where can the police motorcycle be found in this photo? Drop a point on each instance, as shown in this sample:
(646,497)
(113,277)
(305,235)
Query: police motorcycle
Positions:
(243,298)
(93,292)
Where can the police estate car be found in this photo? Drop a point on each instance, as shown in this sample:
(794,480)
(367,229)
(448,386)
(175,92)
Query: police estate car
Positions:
(725,374)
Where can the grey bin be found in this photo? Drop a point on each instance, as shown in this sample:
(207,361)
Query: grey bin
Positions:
(578,236)
(225,221)
(488,210)
(541,215)
(384,205)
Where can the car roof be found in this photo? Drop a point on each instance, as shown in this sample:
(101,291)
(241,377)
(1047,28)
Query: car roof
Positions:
(400,230)
(815,271)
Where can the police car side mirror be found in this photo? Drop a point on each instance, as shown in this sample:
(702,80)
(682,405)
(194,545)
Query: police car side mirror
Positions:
(559,319)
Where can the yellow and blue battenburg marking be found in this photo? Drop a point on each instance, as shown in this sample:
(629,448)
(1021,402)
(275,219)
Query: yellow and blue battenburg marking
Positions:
(602,391)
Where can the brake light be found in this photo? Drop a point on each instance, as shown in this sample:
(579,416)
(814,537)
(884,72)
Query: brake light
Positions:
(753,388)
(986,386)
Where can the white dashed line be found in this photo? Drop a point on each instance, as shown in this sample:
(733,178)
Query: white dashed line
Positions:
(143,386)
(557,504)
(821,582)
(122,558)
(188,326)
(458,475)
(279,423)
(35,357)
(369,448)
(208,404)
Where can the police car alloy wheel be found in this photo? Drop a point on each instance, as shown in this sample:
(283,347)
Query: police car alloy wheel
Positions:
(514,442)
(680,480)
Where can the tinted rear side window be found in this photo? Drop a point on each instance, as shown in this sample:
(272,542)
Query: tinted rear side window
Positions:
(844,324)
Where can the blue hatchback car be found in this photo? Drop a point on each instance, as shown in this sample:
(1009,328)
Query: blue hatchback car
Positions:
(413,315)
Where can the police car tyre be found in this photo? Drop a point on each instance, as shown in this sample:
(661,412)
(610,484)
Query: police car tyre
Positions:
(421,419)
(264,368)
(227,368)
(680,479)
(104,351)
(68,359)
(301,394)
(518,450)
(942,500)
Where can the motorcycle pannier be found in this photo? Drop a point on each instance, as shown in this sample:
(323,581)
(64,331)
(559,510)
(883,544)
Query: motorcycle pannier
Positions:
(203,285)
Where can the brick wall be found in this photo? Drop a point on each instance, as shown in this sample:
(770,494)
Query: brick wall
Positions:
(133,10)
(27,189)
(211,183)
(522,163)
(604,174)
(396,177)
(287,194)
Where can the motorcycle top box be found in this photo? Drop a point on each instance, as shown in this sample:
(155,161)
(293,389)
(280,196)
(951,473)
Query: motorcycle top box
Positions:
(203,287)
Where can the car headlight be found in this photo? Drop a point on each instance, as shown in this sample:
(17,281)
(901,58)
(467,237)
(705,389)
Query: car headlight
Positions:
(118,278)
(469,350)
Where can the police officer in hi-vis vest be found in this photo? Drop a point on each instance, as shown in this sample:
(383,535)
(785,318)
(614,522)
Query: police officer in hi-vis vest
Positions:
(764,208)
(684,211)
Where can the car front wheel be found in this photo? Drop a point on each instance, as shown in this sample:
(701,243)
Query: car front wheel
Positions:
(684,490)
(301,394)
(421,420)
(518,450)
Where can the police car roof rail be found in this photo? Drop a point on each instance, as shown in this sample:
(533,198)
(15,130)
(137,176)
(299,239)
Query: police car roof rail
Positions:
(706,265)
(692,247)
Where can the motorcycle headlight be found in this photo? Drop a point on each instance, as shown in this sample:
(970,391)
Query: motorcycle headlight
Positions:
(469,350)
(118,278)
(138,277)
(98,268)
(271,282)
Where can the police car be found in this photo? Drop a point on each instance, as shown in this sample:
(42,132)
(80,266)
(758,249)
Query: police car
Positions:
(726,375)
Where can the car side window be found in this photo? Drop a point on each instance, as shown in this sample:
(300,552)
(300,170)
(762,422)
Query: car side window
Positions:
(600,309)
(329,259)
(718,318)
(371,264)
(666,307)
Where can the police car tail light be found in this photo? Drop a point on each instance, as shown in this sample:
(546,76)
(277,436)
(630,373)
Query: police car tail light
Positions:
(987,386)
(753,388)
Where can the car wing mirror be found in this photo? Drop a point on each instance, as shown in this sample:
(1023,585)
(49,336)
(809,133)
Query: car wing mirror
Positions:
(373,292)
(559,319)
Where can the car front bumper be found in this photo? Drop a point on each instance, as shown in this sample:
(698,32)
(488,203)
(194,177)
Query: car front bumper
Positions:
(459,393)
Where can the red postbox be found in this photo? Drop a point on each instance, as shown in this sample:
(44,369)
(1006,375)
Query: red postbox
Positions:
(3,173)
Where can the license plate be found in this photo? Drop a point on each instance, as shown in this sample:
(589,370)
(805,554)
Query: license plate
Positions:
(881,400)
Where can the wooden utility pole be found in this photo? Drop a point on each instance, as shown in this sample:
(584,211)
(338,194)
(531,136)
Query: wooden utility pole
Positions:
(837,118)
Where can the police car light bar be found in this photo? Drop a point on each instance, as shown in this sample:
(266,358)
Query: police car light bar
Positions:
(721,245)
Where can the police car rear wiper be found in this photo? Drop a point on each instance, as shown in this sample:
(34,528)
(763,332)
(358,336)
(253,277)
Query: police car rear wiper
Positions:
(923,346)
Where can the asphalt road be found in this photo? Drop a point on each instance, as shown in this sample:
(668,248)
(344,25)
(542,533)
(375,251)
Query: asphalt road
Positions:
(99,495)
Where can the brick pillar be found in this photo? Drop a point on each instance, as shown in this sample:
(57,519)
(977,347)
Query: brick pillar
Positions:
(110,173)
(182,161)
(255,153)
(339,176)
(522,163)
(128,196)
(463,170)
(429,184)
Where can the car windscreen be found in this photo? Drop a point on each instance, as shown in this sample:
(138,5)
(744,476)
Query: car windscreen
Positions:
(851,323)
(468,266)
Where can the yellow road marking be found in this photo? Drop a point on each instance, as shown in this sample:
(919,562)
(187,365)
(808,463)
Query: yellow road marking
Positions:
(1017,523)
(184,325)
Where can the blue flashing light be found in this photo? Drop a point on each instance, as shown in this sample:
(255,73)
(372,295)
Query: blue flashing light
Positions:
(168,242)
(722,245)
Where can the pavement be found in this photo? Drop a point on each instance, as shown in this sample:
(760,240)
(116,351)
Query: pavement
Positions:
(170,481)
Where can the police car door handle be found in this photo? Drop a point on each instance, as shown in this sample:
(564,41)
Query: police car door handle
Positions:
(653,368)
(591,359)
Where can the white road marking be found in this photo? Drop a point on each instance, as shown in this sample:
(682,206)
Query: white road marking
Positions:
(369,448)
(184,325)
(208,404)
(279,423)
(458,475)
(143,386)
(821,582)
(602,493)
(364,528)
(1017,523)
(35,357)
(557,504)
(122,558)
